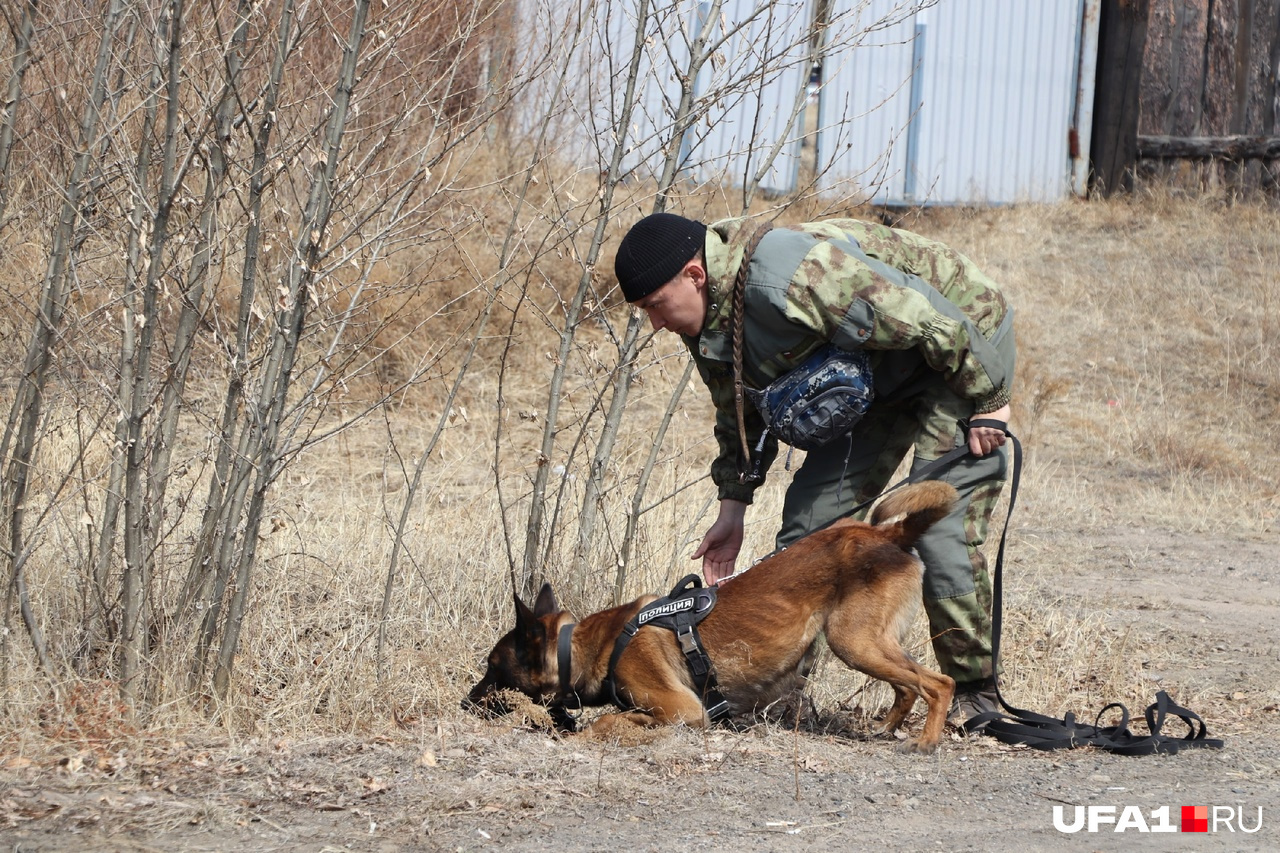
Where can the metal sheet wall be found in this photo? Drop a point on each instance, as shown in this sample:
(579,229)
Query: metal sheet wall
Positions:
(970,101)
(570,70)
(747,98)
(998,95)
(749,113)
(865,102)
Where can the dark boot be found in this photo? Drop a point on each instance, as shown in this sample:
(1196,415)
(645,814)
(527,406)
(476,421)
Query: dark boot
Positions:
(972,698)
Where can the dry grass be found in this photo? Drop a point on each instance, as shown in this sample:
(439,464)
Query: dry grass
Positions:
(1148,396)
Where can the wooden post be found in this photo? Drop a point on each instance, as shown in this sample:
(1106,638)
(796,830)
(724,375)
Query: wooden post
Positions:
(1270,100)
(1122,38)
(1241,175)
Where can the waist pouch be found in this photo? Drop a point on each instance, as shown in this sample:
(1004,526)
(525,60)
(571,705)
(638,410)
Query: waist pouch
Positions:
(819,401)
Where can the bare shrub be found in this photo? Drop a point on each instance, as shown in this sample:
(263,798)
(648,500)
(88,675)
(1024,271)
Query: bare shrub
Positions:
(389,379)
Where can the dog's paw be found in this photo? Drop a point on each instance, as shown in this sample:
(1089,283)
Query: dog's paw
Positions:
(918,747)
(564,722)
(622,729)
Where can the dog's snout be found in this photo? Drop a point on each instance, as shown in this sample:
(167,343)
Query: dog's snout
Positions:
(482,700)
(476,705)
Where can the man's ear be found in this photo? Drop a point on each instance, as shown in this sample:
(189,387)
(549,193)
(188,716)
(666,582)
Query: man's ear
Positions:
(696,269)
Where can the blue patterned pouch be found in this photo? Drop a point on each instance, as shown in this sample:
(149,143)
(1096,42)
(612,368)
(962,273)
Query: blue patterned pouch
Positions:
(819,401)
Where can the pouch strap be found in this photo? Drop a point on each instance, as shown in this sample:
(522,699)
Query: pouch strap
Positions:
(746,474)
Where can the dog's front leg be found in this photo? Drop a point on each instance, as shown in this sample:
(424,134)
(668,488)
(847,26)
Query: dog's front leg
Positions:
(615,726)
(654,708)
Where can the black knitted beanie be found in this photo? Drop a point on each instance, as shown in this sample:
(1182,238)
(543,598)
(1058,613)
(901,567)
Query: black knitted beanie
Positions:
(654,251)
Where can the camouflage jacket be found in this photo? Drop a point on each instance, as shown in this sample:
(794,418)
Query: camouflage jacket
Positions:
(911,301)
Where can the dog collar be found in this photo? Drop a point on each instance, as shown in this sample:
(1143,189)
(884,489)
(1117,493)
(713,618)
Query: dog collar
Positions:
(564,655)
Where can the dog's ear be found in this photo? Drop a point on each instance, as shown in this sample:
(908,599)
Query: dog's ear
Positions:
(524,616)
(546,602)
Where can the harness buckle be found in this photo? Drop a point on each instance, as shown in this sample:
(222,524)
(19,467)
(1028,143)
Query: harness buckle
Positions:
(719,710)
(699,663)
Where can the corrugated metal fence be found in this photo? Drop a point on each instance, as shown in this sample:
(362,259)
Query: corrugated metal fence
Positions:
(967,102)
(964,101)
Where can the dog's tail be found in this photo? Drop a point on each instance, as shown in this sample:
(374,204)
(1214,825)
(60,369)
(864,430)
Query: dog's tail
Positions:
(908,512)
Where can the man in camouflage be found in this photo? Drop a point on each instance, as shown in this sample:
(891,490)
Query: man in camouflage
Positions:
(940,337)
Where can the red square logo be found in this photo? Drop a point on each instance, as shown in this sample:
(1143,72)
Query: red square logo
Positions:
(1195,818)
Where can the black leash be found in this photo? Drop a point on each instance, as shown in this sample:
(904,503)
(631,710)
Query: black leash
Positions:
(1023,727)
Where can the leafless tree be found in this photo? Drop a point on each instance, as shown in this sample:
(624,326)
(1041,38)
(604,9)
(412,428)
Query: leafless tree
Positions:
(200,151)
(243,211)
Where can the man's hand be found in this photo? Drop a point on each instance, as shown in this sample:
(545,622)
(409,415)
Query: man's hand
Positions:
(983,440)
(720,547)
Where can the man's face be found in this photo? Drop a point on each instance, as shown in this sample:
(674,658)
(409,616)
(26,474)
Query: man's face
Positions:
(680,305)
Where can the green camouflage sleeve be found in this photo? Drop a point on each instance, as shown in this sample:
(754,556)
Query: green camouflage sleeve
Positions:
(867,285)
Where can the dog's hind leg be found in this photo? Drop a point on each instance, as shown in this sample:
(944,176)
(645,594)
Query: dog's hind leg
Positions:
(908,679)
(875,650)
(903,701)
(936,689)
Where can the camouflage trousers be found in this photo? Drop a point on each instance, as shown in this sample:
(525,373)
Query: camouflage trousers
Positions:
(957,587)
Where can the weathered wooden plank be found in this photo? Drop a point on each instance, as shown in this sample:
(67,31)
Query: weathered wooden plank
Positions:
(1122,35)
(1240,147)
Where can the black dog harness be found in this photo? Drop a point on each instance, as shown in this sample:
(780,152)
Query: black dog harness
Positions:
(680,611)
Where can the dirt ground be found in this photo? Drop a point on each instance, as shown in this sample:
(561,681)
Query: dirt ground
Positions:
(1209,606)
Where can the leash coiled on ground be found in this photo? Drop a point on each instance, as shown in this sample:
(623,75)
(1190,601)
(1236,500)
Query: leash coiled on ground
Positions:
(1022,727)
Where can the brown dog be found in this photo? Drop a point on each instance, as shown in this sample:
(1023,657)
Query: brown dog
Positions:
(858,583)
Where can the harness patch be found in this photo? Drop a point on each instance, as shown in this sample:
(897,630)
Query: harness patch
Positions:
(663,607)
(680,612)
